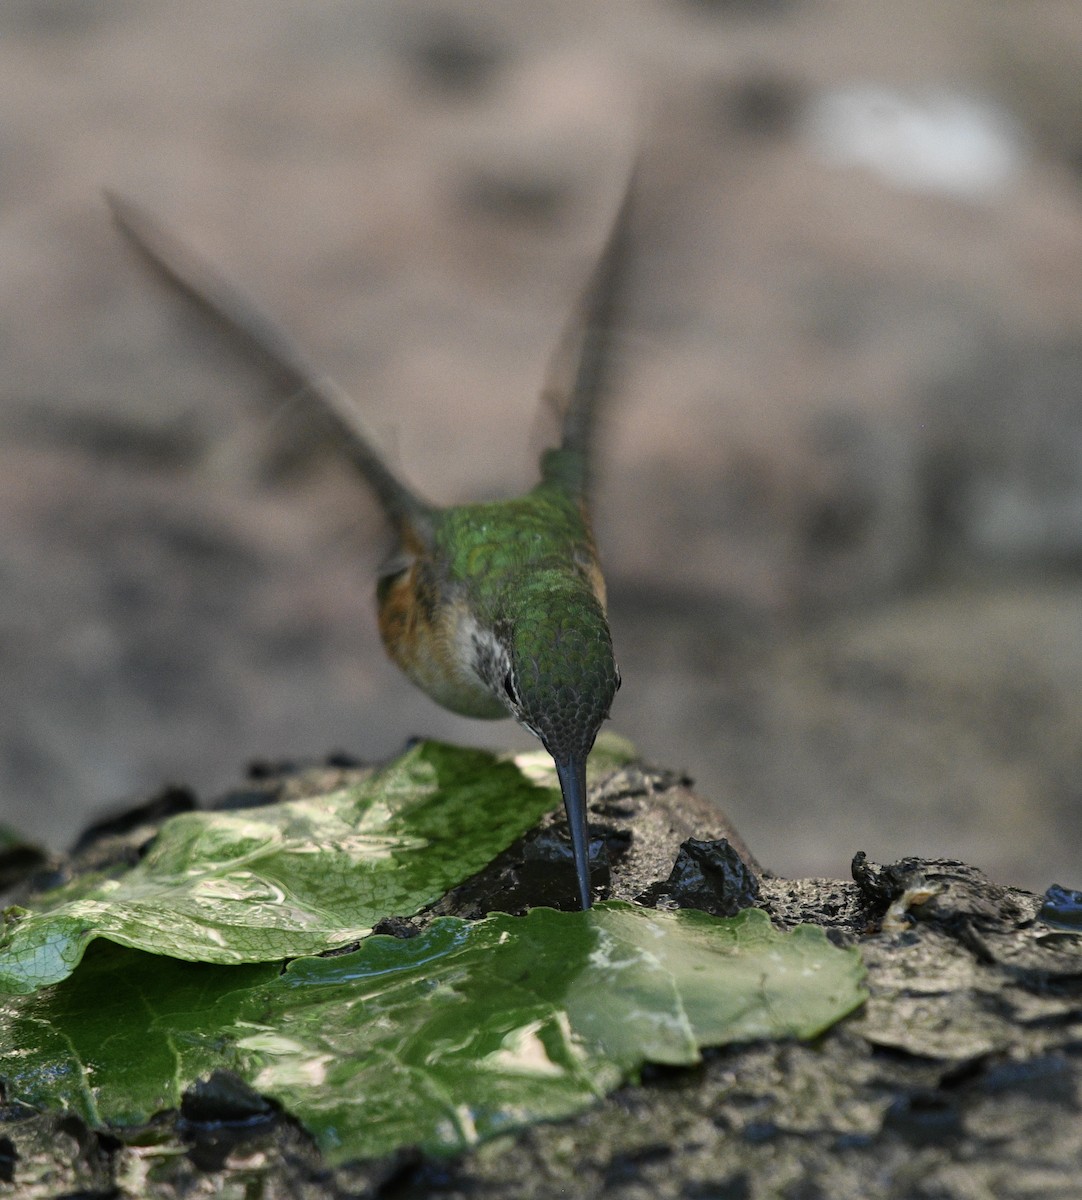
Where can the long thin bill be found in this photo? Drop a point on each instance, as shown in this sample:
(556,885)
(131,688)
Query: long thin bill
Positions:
(572,775)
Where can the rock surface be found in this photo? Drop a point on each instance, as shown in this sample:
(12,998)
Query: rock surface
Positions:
(961,1076)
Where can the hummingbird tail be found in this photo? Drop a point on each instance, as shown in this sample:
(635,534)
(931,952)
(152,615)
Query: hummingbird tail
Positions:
(230,308)
(572,776)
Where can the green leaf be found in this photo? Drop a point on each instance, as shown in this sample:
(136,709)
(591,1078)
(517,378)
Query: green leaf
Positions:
(462,1033)
(122,1038)
(289,879)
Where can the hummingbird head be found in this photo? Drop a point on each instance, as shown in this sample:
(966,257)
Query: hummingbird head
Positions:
(559,679)
(560,676)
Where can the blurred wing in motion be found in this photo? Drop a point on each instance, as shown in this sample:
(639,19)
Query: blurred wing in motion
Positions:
(255,332)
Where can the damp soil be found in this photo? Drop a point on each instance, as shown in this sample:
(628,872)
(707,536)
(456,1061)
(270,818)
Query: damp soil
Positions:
(960,1076)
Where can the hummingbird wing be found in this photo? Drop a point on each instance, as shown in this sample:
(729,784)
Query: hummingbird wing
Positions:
(581,372)
(258,334)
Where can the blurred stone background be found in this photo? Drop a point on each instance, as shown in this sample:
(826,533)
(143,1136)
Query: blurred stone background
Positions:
(841,506)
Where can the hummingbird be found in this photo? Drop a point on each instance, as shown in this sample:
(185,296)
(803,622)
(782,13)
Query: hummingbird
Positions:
(494,609)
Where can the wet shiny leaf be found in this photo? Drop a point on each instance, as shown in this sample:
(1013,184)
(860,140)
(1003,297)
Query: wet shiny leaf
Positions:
(289,879)
(466,1031)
